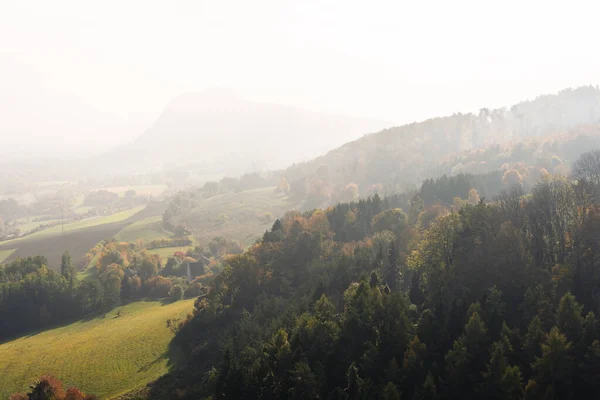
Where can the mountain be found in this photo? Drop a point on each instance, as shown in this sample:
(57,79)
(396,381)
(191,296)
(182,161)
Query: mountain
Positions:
(229,135)
(402,157)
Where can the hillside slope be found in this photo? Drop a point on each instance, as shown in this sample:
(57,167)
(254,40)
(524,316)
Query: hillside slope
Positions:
(105,356)
(403,156)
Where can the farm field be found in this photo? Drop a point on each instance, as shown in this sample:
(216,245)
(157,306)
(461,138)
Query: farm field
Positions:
(105,356)
(237,215)
(146,229)
(85,223)
(167,252)
(4,254)
(143,190)
(78,237)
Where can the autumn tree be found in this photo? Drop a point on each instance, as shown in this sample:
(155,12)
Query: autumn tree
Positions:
(588,166)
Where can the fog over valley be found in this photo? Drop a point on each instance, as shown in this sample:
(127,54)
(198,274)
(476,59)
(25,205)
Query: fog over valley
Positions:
(337,200)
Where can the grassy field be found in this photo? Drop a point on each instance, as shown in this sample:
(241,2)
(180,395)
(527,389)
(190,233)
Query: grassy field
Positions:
(105,356)
(4,254)
(237,215)
(78,237)
(167,252)
(141,190)
(85,223)
(28,226)
(146,229)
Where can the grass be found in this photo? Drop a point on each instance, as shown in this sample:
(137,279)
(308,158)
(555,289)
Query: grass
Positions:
(146,229)
(141,190)
(28,226)
(167,252)
(243,211)
(103,356)
(85,223)
(4,254)
(83,209)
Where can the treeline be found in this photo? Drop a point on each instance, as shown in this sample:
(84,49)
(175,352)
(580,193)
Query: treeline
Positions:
(162,243)
(121,273)
(490,300)
(402,157)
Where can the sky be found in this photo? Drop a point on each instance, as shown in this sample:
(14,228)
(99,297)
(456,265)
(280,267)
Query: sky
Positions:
(79,77)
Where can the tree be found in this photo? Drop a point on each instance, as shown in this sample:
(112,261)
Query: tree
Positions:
(473,198)
(148,269)
(390,392)
(176,292)
(394,220)
(66,267)
(174,325)
(304,382)
(501,381)
(392,271)
(182,230)
(568,317)
(350,192)
(512,177)
(428,390)
(554,367)
(590,368)
(588,166)
(355,386)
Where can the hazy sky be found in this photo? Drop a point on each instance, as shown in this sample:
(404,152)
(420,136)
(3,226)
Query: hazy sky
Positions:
(89,75)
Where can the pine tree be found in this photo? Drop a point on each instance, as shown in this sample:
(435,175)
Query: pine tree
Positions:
(392,273)
(568,317)
(554,367)
(66,267)
(390,392)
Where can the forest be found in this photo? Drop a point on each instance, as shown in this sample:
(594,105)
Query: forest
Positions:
(482,299)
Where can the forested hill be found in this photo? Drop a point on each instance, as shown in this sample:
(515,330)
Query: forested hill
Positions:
(364,301)
(403,156)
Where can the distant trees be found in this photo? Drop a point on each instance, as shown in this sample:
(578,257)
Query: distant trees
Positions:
(100,197)
(394,220)
(588,167)
(512,177)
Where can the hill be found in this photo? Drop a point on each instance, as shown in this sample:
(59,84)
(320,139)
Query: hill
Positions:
(494,300)
(225,134)
(242,216)
(401,157)
(77,238)
(107,356)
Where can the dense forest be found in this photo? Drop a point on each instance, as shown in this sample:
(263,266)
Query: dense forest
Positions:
(473,286)
(530,132)
(365,300)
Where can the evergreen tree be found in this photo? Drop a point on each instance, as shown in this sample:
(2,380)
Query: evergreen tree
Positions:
(554,367)
(66,266)
(568,317)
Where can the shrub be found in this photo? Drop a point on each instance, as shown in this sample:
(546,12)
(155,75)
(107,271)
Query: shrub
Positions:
(176,292)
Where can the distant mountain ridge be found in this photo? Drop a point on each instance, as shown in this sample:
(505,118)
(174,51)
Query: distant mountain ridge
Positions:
(228,135)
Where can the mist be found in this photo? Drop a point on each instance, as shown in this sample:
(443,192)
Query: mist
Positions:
(81,79)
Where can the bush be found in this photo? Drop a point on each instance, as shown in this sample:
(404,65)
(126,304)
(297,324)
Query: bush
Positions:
(176,292)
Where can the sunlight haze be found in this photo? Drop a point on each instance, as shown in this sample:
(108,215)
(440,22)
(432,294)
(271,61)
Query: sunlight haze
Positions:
(79,77)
